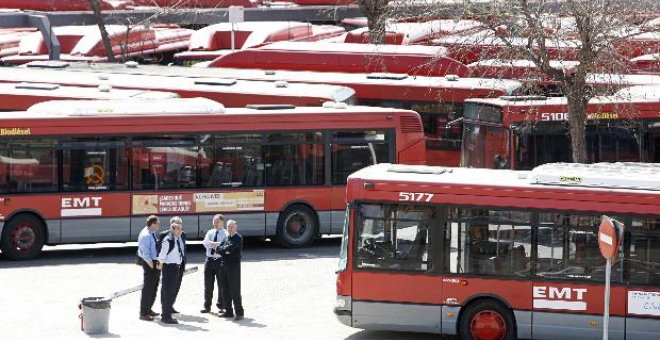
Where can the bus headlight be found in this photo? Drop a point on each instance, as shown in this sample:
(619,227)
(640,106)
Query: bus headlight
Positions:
(343,302)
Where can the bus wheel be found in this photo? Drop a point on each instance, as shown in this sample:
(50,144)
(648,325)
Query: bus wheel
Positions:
(23,237)
(487,320)
(297,227)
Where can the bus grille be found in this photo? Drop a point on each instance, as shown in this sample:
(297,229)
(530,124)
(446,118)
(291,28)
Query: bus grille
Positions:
(410,124)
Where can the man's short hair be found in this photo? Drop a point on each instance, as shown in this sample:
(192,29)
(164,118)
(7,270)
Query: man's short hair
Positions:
(219,216)
(176,225)
(152,219)
(176,219)
(230,222)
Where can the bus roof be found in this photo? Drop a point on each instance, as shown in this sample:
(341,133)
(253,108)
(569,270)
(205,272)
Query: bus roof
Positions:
(53,91)
(122,117)
(231,92)
(339,57)
(628,95)
(602,178)
(367,85)
(212,41)
(334,48)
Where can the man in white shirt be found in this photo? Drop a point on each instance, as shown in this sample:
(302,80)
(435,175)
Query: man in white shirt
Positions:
(170,257)
(212,268)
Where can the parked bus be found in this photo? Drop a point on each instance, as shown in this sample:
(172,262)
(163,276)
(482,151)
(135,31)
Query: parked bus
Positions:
(500,254)
(523,132)
(338,57)
(230,92)
(410,33)
(213,41)
(439,100)
(538,83)
(20,96)
(91,171)
(156,43)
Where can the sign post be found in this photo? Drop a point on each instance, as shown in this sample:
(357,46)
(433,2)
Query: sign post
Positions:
(236,14)
(609,238)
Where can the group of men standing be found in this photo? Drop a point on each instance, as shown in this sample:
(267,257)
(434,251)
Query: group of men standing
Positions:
(166,255)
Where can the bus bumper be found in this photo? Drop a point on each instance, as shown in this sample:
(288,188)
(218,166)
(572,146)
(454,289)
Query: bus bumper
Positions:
(343,310)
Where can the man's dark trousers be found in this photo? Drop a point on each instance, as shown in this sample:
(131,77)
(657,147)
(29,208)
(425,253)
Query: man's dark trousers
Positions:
(149,288)
(212,272)
(170,277)
(231,281)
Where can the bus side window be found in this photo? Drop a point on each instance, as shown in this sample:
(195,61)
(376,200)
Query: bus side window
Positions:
(644,259)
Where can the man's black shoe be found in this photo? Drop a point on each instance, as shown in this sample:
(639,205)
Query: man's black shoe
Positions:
(174,311)
(238,317)
(227,315)
(205,310)
(145,317)
(170,321)
(152,313)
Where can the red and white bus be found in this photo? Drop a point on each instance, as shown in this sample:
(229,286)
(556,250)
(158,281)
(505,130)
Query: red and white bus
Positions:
(439,100)
(213,41)
(337,57)
(523,132)
(20,96)
(500,254)
(230,92)
(83,43)
(409,33)
(537,82)
(90,171)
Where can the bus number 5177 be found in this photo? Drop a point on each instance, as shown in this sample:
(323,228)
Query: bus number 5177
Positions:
(415,196)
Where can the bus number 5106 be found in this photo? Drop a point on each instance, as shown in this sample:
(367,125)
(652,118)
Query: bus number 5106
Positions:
(415,196)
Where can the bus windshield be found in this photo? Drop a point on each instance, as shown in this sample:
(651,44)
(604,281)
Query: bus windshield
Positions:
(485,146)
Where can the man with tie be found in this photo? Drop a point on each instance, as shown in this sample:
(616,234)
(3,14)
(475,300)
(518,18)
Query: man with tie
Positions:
(161,237)
(148,254)
(170,258)
(212,267)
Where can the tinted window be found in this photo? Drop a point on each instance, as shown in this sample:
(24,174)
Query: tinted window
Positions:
(28,166)
(488,242)
(392,237)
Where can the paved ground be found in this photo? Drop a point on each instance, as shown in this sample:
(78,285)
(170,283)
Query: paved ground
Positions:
(287,294)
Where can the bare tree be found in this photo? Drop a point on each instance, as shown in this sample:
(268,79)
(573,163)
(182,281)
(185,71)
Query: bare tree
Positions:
(598,37)
(377,12)
(96,8)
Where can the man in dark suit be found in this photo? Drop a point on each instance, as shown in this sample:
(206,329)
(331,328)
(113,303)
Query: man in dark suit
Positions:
(231,272)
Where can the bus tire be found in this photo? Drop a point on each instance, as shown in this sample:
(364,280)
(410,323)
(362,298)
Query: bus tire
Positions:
(487,320)
(297,227)
(23,237)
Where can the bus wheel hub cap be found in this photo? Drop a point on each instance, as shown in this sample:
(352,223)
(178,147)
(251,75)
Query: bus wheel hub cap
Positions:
(23,237)
(488,325)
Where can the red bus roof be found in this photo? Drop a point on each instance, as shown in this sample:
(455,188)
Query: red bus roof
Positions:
(629,103)
(200,115)
(648,63)
(63,5)
(83,43)
(612,187)
(382,86)
(408,33)
(231,92)
(212,41)
(10,39)
(20,96)
(197,3)
(336,57)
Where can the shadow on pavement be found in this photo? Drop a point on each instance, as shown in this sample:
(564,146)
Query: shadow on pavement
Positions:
(387,335)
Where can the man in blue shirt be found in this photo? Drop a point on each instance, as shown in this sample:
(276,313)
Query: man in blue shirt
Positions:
(149,255)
